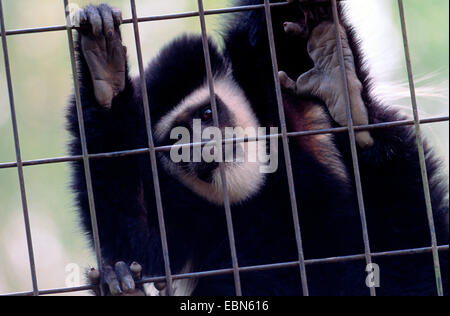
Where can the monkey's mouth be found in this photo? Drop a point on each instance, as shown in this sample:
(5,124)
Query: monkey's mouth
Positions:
(201,170)
(206,171)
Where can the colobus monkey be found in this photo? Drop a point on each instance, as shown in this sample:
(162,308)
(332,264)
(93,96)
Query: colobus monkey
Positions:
(192,194)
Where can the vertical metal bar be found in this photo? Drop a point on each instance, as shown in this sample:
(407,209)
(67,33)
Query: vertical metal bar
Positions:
(151,145)
(287,154)
(351,129)
(237,280)
(84,149)
(18,155)
(420,147)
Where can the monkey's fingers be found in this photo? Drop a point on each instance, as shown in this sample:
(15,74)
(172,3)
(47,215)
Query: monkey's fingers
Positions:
(136,269)
(117,14)
(311,13)
(124,275)
(126,279)
(127,275)
(105,55)
(286,82)
(117,281)
(325,79)
(110,279)
(298,28)
(94,280)
(361,117)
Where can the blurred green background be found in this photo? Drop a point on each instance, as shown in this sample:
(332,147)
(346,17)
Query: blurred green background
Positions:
(42,83)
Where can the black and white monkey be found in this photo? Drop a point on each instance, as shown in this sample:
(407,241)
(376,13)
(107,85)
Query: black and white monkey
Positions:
(191,191)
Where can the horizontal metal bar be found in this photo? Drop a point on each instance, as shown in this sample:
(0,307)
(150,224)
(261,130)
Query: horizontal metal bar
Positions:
(152,18)
(225,141)
(265,267)
(161,17)
(53,291)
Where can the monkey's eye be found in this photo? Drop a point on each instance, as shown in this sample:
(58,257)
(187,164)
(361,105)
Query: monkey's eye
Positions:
(206,114)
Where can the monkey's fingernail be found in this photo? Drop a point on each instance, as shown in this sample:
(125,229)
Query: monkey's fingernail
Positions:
(136,269)
(128,285)
(286,82)
(293,28)
(94,276)
(364,139)
(115,290)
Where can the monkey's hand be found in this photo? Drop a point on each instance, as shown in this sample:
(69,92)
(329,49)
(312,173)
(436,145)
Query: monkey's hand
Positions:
(120,281)
(325,79)
(101,46)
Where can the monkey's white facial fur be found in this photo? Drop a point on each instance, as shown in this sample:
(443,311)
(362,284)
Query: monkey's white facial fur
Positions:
(243,177)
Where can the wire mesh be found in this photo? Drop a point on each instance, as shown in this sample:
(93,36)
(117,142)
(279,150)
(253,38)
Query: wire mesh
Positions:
(287,154)
(421,150)
(18,154)
(236,270)
(352,135)
(226,198)
(148,125)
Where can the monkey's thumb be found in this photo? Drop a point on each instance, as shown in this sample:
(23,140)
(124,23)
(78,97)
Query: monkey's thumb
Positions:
(364,139)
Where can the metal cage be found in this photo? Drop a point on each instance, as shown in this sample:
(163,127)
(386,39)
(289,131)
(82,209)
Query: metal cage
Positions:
(235,270)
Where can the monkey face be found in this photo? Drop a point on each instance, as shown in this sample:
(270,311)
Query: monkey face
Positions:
(200,145)
(196,125)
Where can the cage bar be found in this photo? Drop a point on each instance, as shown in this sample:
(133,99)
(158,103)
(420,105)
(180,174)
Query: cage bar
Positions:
(421,150)
(284,135)
(287,153)
(84,148)
(351,129)
(151,18)
(223,177)
(283,265)
(161,17)
(148,124)
(142,151)
(23,193)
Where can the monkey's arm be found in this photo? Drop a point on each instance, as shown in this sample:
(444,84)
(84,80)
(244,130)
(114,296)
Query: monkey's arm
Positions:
(305,41)
(390,165)
(391,178)
(390,169)
(113,123)
(108,98)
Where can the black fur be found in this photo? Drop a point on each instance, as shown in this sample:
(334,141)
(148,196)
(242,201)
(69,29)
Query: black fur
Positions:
(264,231)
